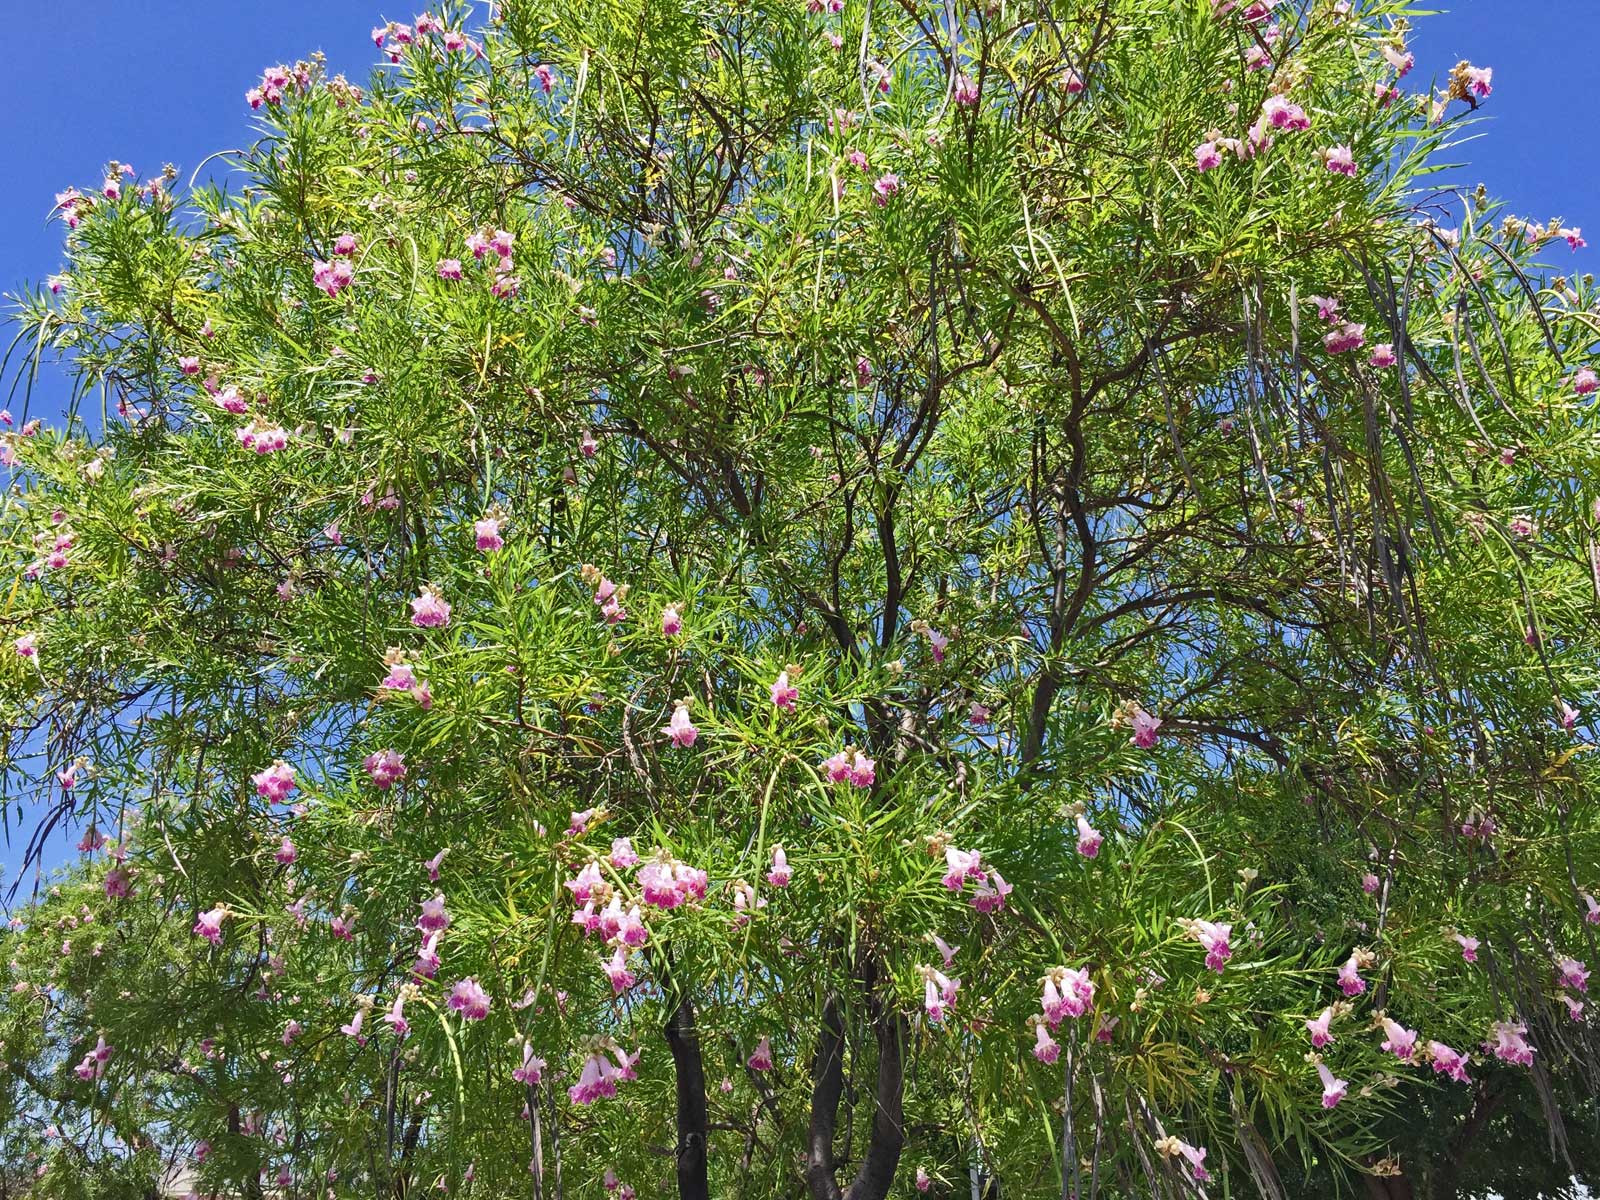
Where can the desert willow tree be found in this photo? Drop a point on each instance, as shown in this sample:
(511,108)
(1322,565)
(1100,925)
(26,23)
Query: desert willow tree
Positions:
(765,600)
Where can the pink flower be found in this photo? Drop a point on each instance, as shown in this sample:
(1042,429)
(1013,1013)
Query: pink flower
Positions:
(27,646)
(1383,355)
(486,531)
(118,883)
(1089,838)
(386,768)
(209,924)
(1207,156)
(469,999)
(1593,905)
(1045,1048)
(990,896)
(430,610)
(1572,973)
(851,764)
(1333,1090)
(1510,1043)
(780,874)
(1144,729)
(291,1031)
(1066,992)
(784,694)
(276,782)
(433,865)
(1318,1028)
(680,730)
(1569,716)
(286,852)
(1585,381)
(353,1029)
(966,90)
(1469,947)
(1345,337)
(1370,884)
(1281,114)
(1574,1006)
(1478,81)
(434,918)
(189,365)
(546,78)
(395,1018)
(1349,981)
(622,854)
(1196,1158)
(884,188)
(449,268)
(427,964)
(962,867)
(531,1072)
(923,1181)
(856,159)
(938,643)
(1398,1040)
(333,277)
(617,971)
(1327,307)
(1448,1062)
(345,245)
(1214,938)
(761,1058)
(671,620)
(938,993)
(1340,160)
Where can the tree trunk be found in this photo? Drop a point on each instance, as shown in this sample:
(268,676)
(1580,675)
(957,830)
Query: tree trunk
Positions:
(683,1038)
(875,1176)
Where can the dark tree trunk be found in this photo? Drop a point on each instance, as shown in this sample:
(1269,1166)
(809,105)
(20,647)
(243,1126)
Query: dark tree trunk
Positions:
(683,1038)
(875,1176)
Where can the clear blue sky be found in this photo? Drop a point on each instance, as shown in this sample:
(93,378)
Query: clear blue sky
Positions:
(154,81)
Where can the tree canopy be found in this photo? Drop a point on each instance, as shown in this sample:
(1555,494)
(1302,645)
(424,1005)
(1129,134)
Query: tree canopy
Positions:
(753,598)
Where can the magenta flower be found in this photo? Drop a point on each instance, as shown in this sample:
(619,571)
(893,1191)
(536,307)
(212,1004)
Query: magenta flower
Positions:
(1398,1040)
(1469,947)
(1318,1028)
(118,883)
(430,610)
(209,924)
(1345,337)
(671,620)
(1214,938)
(1340,160)
(469,999)
(1045,1048)
(333,277)
(27,646)
(966,90)
(434,863)
(1207,156)
(946,950)
(449,268)
(433,918)
(1510,1043)
(276,782)
(1569,716)
(385,767)
(1089,838)
(597,1080)
(486,532)
(353,1029)
(923,1181)
(1574,1006)
(1144,729)
(1448,1062)
(851,764)
(617,971)
(345,245)
(395,1018)
(286,852)
(427,964)
(884,188)
(1370,884)
(1350,982)
(1383,355)
(680,730)
(1279,113)
(962,867)
(938,993)
(1593,905)
(1066,992)
(784,694)
(291,1031)
(1478,81)
(622,854)
(761,1058)
(780,874)
(1333,1090)
(990,896)
(1572,973)
(531,1072)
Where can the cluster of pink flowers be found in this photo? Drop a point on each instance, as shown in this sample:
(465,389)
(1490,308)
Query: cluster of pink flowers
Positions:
(485,244)
(430,610)
(606,1066)
(1066,992)
(274,82)
(938,992)
(608,595)
(275,782)
(94,1062)
(401,676)
(333,277)
(385,767)
(966,866)
(851,765)
(209,924)
(1510,1043)
(262,436)
(469,999)
(666,883)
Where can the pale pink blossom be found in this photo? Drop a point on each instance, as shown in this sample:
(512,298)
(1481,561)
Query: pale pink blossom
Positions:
(780,874)
(1317,1027)
(1089,838)
(761,1058)
(430,610)
(680,730)
(1449,1062)
(469,999)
